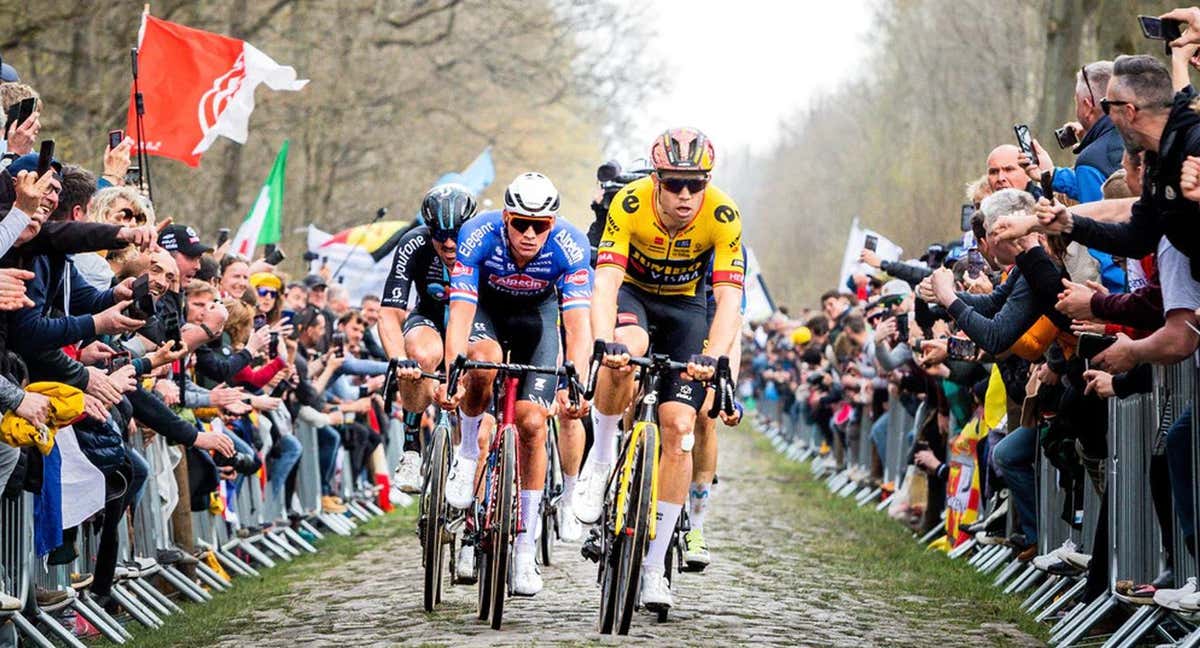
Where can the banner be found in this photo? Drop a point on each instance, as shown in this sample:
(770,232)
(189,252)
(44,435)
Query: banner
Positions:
(886,250)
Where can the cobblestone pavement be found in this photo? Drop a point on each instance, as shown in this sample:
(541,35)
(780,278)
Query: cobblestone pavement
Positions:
(763,588)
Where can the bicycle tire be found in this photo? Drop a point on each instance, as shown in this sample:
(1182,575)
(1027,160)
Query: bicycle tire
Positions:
(483,564)
(502,526)
(549,534)
(669,564)
(633,549)
(434,518)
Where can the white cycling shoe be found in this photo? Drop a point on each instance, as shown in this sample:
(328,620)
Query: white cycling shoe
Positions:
(526,580)
(408,473)
(656,591)
(588,500)
(460,489)
(570,529)
(464,564)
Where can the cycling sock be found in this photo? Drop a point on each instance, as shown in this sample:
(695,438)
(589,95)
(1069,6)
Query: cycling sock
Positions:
(606,430)
(469,426)
(412,427)
(531,515)
(698,503)
(656,553)
(568,494)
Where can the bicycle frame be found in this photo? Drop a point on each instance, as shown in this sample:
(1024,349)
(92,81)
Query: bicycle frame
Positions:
(506,416)
(647,415)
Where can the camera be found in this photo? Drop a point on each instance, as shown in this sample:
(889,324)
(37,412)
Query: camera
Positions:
(1066,137)
(242,463)
(142,306)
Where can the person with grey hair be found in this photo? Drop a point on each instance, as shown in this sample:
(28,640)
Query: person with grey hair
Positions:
(1151,116)
(1099,152)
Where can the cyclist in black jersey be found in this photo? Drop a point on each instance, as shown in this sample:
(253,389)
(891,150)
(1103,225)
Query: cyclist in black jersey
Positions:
(413,319)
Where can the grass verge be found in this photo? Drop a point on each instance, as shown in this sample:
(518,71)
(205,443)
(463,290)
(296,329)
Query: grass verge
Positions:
(923,585)
(204,625)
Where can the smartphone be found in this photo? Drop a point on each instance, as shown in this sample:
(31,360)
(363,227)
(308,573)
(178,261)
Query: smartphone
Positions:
(1090,346)
(286,315)
(871,243)
(1047,183)
(975,263)
(1157,29)
(133,176)
(964,217)
(142,306)
(902,326)
(115,137)
(222,236)
(119,359)
(1025,142)
(275,257)
(273,349)
(1066,137)
(19,112)
(960,349)
(260,321)
(45,157)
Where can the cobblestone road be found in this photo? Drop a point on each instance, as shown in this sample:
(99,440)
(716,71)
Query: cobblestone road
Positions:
(763,588)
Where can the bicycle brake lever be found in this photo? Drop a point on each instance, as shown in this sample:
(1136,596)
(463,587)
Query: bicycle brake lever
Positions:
(455,372)
(572,383)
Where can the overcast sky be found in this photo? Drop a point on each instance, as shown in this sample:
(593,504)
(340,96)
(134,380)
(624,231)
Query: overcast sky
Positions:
(740,67)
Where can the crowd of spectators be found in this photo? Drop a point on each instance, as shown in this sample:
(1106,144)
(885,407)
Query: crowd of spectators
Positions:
(123,325)
(1069,286)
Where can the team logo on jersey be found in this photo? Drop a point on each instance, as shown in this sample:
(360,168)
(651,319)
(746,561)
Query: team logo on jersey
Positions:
(577,278)
(683,243)
(630,203)
(627,318)
(461,270)
(519,282)
(1169,192)
(725,214)
(569,247)
(437,291)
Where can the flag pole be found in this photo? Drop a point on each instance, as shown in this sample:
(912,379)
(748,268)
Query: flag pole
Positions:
(139,112)
(378,217)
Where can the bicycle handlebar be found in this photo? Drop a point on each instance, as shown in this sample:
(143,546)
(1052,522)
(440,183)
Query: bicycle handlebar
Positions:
(722,380)
(461,364)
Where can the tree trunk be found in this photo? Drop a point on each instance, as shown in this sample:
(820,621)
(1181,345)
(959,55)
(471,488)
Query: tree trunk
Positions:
(1064,35)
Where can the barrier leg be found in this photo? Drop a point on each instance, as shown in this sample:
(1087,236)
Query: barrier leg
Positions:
(1005,554)
(297,540)
(162,599)
(135,609)
(307,526)
(184,585)
(1012,569)
(268,545)
(1146,617)
(254,553)
(64,635)
(1037,593)
(234,564)
(139,588)
(1108,603)
(1062,602)
(211,578)
(1192,640)
(1076,616)
(104,623)
(1026,581)
(961,550)
(30,632)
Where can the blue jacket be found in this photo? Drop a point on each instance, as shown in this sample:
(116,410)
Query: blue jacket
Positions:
(32,329)
(1099,155)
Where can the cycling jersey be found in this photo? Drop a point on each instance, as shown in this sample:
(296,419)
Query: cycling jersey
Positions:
(485,272)
(417,263)
(664,264)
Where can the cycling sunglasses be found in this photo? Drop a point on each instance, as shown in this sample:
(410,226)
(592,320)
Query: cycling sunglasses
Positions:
(443,235)
(676,185)
(127,214)
(539,225)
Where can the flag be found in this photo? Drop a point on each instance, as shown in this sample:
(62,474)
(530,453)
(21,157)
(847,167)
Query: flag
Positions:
(886,250)
(197,85)
(360,257)
(477,176)
(263,223)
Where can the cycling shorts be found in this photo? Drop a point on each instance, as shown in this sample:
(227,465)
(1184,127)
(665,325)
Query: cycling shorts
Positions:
(528,333)
(416,319)
(677,328)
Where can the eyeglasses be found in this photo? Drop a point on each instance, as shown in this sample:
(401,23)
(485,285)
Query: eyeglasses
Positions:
(1106,104)
(267,292)
(127,214)
(1083,72)
(676,185)
(522,225)
(443,235)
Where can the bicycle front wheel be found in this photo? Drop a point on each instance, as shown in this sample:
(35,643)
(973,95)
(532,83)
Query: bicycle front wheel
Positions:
(434,517)
(632,543)
(503,523)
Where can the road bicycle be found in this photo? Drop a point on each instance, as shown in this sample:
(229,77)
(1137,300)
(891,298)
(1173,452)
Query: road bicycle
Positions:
(495,520)
(552,493)
(628,522)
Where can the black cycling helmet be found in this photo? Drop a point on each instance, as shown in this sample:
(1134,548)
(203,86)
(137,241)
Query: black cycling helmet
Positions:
(446,207)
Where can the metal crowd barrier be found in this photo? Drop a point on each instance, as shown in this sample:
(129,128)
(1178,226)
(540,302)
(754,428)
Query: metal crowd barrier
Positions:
(1175,388)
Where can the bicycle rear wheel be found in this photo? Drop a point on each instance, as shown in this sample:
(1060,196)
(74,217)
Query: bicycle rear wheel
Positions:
(637,522)
(434,516)
(502,524)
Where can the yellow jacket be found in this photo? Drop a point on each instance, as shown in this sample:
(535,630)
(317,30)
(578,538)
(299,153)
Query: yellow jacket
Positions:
(66,404)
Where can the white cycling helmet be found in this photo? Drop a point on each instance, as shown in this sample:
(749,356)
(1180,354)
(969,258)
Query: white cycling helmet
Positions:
(531,194)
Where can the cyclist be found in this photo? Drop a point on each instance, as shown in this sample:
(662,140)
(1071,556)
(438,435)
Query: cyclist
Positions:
(413,318)
(515,269)
(704,454)
(661,232)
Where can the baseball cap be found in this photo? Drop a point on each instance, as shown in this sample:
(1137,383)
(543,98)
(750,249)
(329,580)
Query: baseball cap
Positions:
(8,73)
(896,288)
(182,239)
(28,162)
(314,280)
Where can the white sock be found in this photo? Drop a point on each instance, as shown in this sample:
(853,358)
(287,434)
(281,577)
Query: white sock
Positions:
(698,498)
(605,428)
(568,491)
(468,448)
(656,554)
(531,516)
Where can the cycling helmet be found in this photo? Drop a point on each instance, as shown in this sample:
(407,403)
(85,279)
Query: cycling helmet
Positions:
(682,149)
(531,194)
(446,207)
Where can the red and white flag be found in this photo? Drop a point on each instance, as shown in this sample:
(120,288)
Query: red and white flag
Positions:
(197,85)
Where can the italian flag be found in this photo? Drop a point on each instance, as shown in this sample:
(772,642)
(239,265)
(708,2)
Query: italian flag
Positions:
(263,224)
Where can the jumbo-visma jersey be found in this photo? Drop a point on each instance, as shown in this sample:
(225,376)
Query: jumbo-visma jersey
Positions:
(656,262)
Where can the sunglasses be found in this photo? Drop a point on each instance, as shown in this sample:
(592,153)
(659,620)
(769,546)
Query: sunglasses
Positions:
(127,214)
(522,225)
(1106,104)
(676,185)
(267,292)
(443,235)
(1083,73)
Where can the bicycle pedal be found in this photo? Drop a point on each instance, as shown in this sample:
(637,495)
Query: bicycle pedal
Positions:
(693,567)
(591,550)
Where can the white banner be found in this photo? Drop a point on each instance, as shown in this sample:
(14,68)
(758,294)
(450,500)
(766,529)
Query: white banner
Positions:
(886,250)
